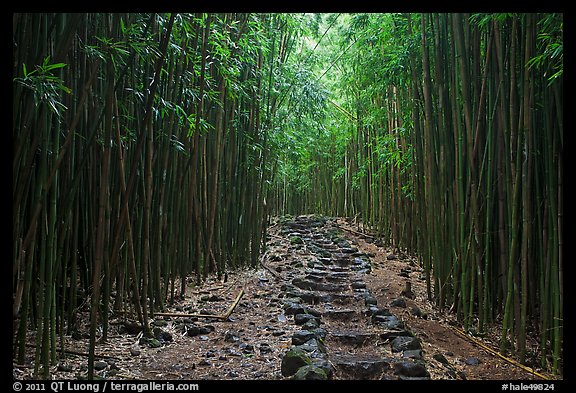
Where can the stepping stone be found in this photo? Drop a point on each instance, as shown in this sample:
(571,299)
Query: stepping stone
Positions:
(305,296)
(403,343)
(392,334)
(367,367)
(310,372)
(370,300)
(338,277)
(312,347)
(411,370)
(340,315)
(301,319)
(292,308)
(374,311)
(413,354)
(353,338)
(315,277)
(318,270)
(390,322)
(358,285)
(338,298)
(301,336)
(311,325)
(317,286)
(293,360)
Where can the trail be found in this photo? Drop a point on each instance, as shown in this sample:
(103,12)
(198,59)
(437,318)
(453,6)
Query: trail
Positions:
(349,336)
(326,303)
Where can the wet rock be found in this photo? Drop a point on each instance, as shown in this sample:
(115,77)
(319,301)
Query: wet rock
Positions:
(338,277)
(305,284)
(196,330)
(311,324)
(375,311)
(338,298)
(388,321)
(411,370)
(100,365)
(151,342)
(441,358)
(320,333)
(231,337)
(403,343)
(391,257)
(362,367)
(412,353)
(310,372)
(417,312)
(293,360)
(472,361)
(312,346)
(324,364)
(135,351)
(392,334)
(292,308)
(160,323)
(340,315)
(301,319)
(370,300)
(301,336)
(353,337)
(398,302)
(314,277)
(305,296)
(358,285)
(161,335)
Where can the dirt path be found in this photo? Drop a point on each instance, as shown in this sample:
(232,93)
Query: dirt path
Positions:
(333,301)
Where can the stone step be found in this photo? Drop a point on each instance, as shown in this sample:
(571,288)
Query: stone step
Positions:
(356,338)
(361,366)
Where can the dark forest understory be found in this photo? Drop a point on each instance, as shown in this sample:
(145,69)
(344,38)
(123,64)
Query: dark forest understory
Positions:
(190,163)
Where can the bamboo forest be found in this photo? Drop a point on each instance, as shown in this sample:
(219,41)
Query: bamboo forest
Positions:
(279,196)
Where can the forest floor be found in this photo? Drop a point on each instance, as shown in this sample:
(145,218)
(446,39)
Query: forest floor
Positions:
(356,310)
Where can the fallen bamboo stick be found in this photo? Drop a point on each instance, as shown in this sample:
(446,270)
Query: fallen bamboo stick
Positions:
(496,353)
(357,233)
(275,274)
(222,317)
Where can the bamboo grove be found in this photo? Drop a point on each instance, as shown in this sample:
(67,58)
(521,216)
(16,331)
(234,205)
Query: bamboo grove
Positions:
(446,139)
(149,151)
(139,162)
